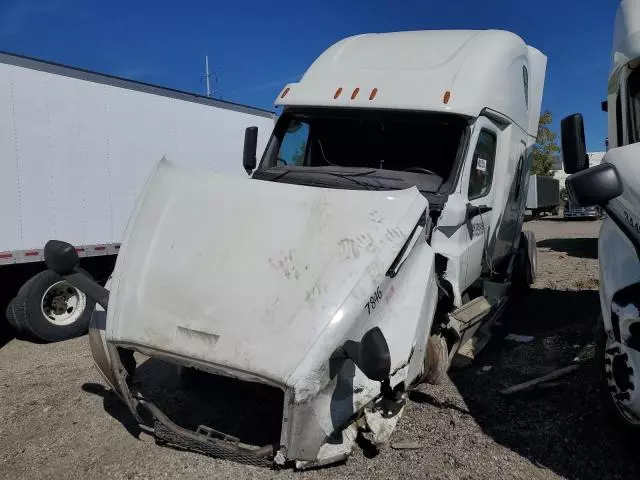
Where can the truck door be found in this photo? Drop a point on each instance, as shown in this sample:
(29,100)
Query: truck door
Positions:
(478,182)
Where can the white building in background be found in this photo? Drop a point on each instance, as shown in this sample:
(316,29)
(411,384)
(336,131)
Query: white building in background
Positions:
(594,159)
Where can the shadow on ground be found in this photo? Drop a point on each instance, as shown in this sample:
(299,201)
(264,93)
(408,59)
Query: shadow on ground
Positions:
(574,247)
(114,407)
(563,428)
(6,332)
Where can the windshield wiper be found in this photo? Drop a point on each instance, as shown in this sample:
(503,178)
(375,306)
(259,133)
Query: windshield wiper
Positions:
(357,182)
(345,176)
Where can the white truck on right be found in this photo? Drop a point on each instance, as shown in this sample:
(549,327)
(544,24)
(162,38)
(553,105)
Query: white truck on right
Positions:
(614,185)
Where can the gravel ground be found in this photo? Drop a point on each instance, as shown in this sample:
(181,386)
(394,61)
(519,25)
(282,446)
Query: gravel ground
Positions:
(58,421)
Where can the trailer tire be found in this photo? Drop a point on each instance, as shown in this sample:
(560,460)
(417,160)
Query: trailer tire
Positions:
(50,309)
(12,316)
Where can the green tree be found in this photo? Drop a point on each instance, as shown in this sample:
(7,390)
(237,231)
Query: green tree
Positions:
(546,150)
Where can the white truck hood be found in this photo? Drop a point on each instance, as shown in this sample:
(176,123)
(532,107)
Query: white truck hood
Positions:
(246,275)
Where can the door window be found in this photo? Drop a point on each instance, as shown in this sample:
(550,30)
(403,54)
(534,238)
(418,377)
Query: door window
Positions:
(482,165)
(293,147)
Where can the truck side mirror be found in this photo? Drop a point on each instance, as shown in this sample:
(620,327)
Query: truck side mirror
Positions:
(594,186)
(574,148)
(250,148)
(371,354)
(61,257)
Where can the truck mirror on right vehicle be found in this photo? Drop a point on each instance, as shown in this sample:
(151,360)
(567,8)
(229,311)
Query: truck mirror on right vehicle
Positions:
(250,148)
(574,148)
(594,186)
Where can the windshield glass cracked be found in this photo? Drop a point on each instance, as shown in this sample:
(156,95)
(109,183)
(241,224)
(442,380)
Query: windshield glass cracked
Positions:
(365,149)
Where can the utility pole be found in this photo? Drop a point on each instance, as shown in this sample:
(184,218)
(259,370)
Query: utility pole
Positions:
(207,74)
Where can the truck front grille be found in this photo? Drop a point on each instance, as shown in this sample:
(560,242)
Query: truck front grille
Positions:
(250,411)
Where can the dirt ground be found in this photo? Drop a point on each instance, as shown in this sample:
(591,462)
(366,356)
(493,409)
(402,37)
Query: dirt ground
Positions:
(58,421)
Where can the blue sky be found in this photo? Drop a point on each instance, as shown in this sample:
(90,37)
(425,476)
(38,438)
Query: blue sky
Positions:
(257,46)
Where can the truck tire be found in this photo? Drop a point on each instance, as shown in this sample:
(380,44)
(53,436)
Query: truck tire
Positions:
(436,360)
(621,421)
(50,309)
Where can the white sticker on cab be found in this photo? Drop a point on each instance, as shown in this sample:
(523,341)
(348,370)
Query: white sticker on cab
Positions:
(481,165)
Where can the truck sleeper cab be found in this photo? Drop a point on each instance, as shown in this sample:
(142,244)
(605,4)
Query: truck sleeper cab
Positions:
(381,229)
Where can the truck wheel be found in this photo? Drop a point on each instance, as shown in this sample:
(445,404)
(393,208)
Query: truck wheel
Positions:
(436,360)
(614,375)
(51,309)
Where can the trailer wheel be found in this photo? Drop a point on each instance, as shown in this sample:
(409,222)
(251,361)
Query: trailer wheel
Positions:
(51,309)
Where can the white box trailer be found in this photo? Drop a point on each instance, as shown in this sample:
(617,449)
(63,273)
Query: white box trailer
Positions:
(543,195)
(78,146)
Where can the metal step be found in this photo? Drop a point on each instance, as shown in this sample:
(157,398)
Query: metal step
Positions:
(470,313)
(475,320)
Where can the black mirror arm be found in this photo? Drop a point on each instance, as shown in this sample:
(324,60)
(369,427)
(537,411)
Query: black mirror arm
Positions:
(350,350)
(91,288)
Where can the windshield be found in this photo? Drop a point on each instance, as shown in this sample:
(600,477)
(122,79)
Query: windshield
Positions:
(424,143)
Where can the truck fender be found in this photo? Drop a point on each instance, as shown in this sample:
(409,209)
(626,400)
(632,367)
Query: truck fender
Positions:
(528,241)
(98,346)
(523,265)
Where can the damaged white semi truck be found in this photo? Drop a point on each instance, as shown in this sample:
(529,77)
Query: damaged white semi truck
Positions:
(380,235)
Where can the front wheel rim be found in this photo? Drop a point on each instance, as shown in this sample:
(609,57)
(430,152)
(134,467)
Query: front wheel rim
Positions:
(62,304)
(614,351)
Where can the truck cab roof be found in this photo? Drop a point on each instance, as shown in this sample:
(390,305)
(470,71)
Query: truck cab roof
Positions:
(454,71)
(626,38)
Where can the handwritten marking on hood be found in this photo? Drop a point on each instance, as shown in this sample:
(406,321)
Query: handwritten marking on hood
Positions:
(269,315)
(375,216)
(348,249)
(317,290)
(366,241)
(394,234)
(286,265)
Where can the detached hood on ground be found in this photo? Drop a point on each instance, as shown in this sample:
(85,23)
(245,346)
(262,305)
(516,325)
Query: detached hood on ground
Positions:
(245,274)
